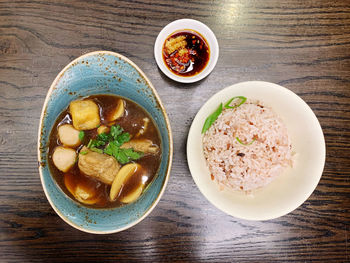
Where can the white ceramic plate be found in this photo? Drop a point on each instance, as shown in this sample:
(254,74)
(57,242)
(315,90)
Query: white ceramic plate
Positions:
(289,190)
(192,25)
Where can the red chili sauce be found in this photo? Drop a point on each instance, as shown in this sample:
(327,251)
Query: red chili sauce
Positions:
(186,53)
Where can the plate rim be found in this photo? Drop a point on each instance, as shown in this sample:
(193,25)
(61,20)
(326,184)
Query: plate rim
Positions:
(191,165)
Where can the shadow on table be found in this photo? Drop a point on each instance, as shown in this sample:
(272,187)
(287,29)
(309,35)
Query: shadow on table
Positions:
(179,85)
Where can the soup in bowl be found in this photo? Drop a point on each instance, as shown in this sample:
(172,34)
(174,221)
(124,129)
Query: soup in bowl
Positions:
(105,144)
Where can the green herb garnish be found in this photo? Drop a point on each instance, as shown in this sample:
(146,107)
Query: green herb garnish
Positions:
(94,149)
(212,118)
(110,143)
(111,148)
(95,143)
(104,137)
(131,154)
(115,131)
(122,155)
(243,99)
(81,135)
(122,138)
(83,152)
(245,144)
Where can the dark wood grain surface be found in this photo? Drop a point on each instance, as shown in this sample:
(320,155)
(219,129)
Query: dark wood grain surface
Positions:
(302,45)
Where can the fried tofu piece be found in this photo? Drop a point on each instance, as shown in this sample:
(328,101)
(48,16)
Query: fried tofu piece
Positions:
(100,166)
(85,114)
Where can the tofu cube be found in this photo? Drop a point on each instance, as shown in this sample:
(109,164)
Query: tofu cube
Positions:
(85,114)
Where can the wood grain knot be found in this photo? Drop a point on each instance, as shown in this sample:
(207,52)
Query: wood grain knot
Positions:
(8,46)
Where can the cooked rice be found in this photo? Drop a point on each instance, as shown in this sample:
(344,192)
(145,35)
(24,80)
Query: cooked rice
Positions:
(241,167)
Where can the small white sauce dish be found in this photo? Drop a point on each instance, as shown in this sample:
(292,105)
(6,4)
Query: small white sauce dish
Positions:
(290,189)
(187,24)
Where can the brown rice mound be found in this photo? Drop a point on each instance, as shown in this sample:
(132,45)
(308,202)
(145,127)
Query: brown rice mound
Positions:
(247,167)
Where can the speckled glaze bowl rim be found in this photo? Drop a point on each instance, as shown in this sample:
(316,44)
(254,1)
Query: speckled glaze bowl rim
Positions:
(197,26)
(169,131)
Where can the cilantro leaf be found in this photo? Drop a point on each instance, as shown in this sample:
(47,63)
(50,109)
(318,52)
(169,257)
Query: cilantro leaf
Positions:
(111,148)
(111,143)
(122,155)
(115,131)
(94,149)
(123,138)
(132,155)
(104,137)
(81,135)
(95,143)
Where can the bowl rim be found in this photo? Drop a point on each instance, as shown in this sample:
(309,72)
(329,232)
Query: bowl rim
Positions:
(169,131)
(206,32)
(192,163)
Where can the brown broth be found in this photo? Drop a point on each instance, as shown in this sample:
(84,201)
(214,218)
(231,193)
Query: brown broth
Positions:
(131,122)
(193,61)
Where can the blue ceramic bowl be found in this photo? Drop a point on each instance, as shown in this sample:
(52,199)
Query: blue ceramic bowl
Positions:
(103,72)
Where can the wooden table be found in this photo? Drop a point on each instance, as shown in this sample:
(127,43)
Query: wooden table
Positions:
(302,45)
